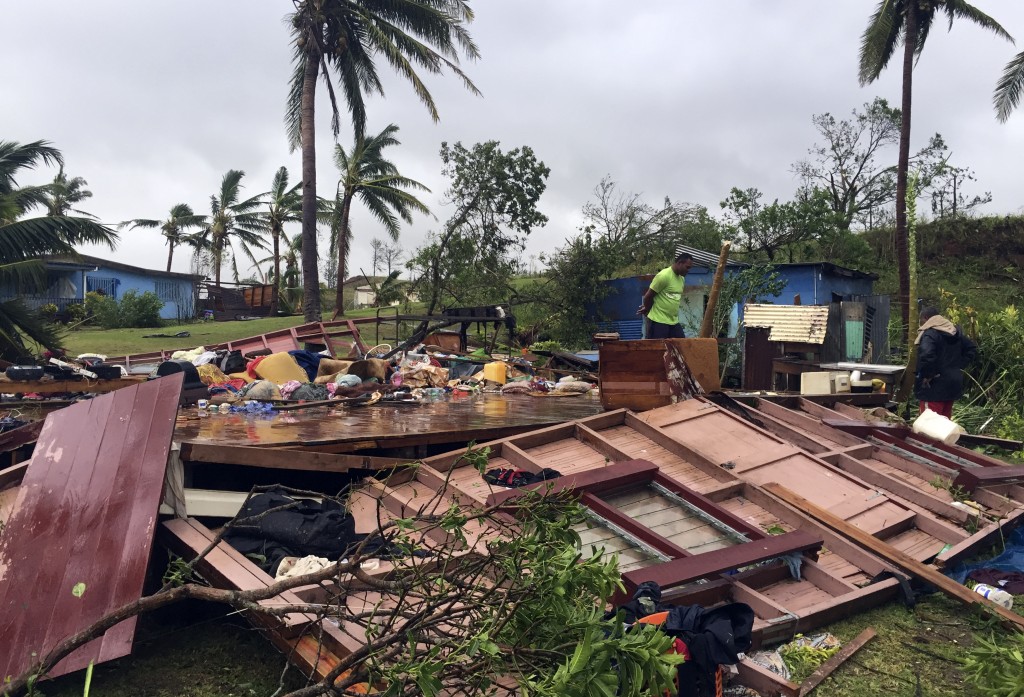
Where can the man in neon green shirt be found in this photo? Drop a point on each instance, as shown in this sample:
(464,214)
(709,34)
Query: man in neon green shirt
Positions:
(660,306)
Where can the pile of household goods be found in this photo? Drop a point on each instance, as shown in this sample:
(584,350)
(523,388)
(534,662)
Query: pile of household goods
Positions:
(307,376)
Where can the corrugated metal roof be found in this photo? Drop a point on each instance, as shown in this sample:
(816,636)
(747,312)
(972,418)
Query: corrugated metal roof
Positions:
(798,323)
(706,259)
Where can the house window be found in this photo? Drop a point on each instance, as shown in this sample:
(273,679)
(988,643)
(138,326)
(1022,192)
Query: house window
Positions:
(102,284)
(168,291)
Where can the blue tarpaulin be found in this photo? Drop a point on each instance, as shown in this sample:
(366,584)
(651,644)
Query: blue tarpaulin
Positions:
(1011,559)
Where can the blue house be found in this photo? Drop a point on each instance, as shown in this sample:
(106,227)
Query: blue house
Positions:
(70,278)
(816,283)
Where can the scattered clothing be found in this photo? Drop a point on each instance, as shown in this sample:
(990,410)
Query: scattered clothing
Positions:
(305,527)
(308,361)
(260,390)
(1009,581)
(211,374)
(288,388)
(294,566)
(311,393)
(513,478)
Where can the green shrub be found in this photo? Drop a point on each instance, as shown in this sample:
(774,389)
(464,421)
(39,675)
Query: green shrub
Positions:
(75,312)
(49,311)
(134,310)
(140,309)
(102,309)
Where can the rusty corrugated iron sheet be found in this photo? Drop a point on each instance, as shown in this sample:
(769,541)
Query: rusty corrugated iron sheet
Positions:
(795,323)
(78,542)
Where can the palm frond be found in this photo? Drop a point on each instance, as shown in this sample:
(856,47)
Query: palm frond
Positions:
(1009,87)
(16,156)
(964,10)
(881,37)
(18,322)
(28,276)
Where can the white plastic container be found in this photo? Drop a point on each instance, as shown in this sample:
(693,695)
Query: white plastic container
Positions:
(996,595)
(937,426)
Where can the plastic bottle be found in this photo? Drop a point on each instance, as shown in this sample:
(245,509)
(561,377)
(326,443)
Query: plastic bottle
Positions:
(996,595)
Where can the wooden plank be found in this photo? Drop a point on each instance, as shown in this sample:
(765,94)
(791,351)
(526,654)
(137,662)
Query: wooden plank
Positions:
(57,386)
(980,538)
(902,561)
(901,488)
(764,681)
(12,476)
(283,459)
(837,659)
(89,499)
(227,568)
(595,481)
(680,571)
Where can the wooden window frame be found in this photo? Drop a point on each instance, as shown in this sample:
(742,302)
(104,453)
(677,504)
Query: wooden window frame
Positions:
(683,566)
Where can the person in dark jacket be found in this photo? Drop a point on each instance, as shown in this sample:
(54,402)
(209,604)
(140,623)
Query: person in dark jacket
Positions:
(943,351)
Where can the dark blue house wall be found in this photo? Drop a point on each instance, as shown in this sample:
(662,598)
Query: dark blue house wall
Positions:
(176,293)
(816,284)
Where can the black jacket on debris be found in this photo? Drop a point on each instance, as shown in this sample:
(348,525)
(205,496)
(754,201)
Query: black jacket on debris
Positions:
(941,358)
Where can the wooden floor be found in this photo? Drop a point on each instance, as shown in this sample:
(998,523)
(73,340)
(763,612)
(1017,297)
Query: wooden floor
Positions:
(457,419)
(77,543)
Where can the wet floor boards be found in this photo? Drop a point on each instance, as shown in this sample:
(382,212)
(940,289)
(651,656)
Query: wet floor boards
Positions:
(343,429)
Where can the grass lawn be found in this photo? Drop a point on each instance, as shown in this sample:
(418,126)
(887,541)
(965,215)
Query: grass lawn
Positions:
(118,342)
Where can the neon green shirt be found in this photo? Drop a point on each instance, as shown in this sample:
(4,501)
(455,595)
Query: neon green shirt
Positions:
(668,289)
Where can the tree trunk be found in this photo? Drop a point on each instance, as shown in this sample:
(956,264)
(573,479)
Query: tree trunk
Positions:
(276,288)
(902,167)
(170,254)
(217,254)
(343,233)
(310,272)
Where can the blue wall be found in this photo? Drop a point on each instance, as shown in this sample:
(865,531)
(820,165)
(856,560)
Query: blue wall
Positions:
(815,284)
(177,293)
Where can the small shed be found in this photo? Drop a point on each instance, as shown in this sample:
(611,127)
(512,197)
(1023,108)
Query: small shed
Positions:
(782,340)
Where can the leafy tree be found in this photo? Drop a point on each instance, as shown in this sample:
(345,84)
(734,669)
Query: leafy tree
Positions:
(180,219)
(25,237)
(346,36)
(376,181)
(846,164)
(65,193)
(644,234)
(908,22)
(495,196)
(233,219)
(284,205)
(573,285)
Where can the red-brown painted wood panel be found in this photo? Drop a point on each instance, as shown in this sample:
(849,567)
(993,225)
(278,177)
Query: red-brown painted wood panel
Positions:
(87,514)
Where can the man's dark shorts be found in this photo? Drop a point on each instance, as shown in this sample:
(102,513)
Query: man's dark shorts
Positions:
(657,330)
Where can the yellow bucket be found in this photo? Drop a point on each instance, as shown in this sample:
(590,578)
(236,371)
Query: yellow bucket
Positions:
(496,372)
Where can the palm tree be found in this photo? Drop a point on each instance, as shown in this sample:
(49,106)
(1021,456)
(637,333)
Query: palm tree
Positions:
(180,219)
(1009,88)
(287,283)
(64,193)
(376,181)
(347,35)
(23,240)
(908,22)
(232,218)
(284,205)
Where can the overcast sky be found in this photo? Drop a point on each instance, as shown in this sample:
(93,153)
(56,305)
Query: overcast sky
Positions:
(151,102)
